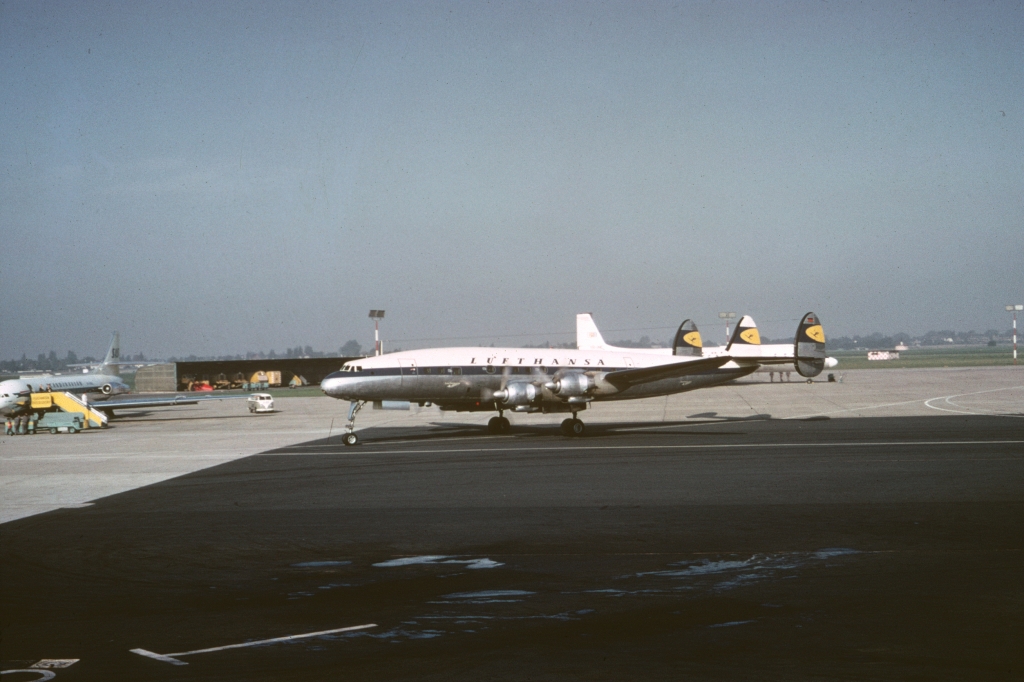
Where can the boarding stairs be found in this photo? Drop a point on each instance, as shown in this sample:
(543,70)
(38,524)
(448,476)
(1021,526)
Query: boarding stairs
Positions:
(69,402)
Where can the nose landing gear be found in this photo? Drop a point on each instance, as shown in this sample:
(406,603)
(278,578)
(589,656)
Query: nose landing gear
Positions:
(350,438)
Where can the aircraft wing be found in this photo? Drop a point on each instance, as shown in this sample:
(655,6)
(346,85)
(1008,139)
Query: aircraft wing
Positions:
(630,377)
(132,402)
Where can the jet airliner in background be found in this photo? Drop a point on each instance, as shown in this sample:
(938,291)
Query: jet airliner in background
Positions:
(14,393)
(101,381)
(559,380)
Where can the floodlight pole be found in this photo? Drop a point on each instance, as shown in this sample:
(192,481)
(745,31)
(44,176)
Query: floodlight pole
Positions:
(726,317)
(1014,309)
(377,316)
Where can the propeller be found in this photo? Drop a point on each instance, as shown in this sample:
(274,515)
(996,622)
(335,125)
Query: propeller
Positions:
(501,395)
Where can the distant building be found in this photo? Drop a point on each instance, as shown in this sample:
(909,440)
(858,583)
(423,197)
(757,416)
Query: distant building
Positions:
(883,355)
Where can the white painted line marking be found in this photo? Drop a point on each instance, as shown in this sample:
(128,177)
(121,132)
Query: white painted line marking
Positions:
(159,657)
(910,402)
(949,401)
(709,446)
(55,663)
(169,658)
(854,409)
(43,674)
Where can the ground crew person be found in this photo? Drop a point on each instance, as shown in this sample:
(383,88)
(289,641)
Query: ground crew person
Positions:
(10,427)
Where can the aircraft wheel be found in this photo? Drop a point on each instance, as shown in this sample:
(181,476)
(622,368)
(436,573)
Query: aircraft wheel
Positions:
(567,427)
(578,427)
(350,439)
(494,425)
(504,425)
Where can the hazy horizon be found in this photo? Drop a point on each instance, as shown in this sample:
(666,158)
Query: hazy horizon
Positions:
(214,178)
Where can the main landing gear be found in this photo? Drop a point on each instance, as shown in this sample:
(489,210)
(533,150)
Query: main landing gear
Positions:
(350,438)
(499,424)
(573,427)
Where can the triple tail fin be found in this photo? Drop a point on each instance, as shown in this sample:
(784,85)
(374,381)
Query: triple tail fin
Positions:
(745,340)
(688,341)
(587,335)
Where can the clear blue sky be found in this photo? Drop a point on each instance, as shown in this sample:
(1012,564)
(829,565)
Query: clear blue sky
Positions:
(216,177)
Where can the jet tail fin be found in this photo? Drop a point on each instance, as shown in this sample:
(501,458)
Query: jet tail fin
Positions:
(688,341)
(587,335)
(111,362)
(745,341)
(809,346)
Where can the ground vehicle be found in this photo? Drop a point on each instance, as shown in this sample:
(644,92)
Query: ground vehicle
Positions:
(60,420)
(261,402)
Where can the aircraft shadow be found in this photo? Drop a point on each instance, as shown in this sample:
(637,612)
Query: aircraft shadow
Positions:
(445,431)
(714,416)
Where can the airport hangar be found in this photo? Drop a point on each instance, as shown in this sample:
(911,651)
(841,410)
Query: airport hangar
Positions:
(181,376)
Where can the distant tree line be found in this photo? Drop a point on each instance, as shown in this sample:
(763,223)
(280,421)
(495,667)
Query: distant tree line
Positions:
(51,362)
(944,337)
(44,363)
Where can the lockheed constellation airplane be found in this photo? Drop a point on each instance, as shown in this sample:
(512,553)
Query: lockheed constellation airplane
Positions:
(558,380)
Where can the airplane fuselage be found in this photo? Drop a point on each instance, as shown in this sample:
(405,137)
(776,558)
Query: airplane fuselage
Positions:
(14,393)
(467,378)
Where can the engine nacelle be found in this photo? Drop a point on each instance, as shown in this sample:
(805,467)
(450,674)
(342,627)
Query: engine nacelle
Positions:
(518,393)
(107,389)
(573,384)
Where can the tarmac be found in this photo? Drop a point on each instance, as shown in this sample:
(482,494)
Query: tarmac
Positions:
(863,529)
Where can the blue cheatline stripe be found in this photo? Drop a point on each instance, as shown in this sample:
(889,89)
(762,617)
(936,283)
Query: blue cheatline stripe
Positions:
(478,370)
(470,370)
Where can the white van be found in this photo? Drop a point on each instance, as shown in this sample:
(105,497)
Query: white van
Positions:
(261,402)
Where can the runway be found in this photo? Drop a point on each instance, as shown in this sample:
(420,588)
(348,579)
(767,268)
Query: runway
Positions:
(880,547)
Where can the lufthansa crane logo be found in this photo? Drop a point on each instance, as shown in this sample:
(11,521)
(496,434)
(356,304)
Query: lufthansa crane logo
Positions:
(751,336)
(815,333)
(693,339)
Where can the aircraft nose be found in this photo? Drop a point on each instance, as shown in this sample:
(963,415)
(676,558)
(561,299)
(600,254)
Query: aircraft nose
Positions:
(331,385)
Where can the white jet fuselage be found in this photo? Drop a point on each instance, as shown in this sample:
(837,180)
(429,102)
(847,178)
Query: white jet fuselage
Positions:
(15,393)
